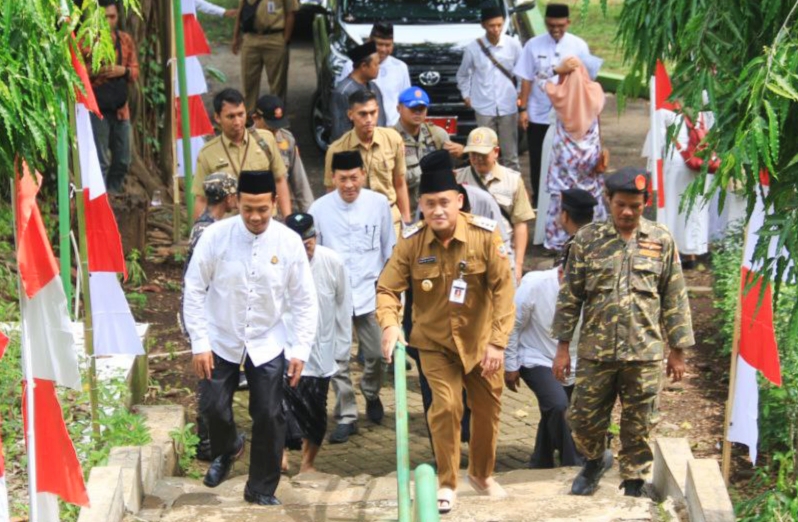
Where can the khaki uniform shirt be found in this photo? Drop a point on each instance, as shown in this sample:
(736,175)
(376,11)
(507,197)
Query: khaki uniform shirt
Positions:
(507,187)
(419,259)
(222,155)
(383,159)
(430,138)
(632,294)
(270,15)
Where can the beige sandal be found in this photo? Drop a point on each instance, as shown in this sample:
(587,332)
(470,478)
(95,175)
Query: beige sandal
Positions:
(446,498)
(494,489)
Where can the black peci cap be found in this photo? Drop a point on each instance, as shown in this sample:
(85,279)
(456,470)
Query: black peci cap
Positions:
(628,179)
(382,30)
(577,200)
(347,160)
(361,52)
(256,182)
(302,224)
(557,11)
(437,174)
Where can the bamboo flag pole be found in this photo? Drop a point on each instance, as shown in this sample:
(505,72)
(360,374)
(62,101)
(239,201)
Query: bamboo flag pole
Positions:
(62,154)
(175,178)
(83,273)
(27,368)
(185,117)
(726,453)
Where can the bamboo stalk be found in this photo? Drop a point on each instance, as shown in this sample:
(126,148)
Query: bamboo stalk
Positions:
(402,433)
(64,250)
(185,117)
(83,273)
(175,179)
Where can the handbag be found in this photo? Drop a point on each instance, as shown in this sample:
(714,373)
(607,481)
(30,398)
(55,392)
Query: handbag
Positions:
(112,95)
(603,163)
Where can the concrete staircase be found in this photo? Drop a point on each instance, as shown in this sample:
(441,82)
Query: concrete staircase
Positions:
(535,495)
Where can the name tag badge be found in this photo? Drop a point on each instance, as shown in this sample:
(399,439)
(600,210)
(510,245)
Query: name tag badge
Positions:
(271,7)
(458,292)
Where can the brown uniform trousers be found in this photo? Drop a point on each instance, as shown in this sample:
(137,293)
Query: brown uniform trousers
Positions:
(452,338)
(259,51)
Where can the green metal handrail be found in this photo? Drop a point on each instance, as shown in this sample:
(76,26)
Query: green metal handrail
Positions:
(426,505)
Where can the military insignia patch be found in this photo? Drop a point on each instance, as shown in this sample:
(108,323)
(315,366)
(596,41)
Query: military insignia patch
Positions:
(278,113)
(640,182)
(283,145)
(427,260)
(426,285)
(501,248)
(650,253)
(275,260)
(484,223)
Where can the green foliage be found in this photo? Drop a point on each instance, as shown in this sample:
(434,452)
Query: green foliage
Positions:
(744,55)
(136,276)
(186,441)
(778,500)
(36,72)
(153,93)
(137,300)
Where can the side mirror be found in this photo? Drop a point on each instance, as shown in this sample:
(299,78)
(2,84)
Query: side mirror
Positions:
(522,7)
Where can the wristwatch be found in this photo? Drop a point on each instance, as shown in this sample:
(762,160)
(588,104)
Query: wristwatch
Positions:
(521,109)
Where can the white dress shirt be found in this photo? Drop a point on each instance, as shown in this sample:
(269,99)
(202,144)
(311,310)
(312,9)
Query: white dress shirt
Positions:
(538,59)
(206,7)
(531,343)
(393,79)
(334,334)
(491,92)
(361,233)
(238,288)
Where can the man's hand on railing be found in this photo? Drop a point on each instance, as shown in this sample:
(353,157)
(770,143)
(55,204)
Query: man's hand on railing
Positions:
(390,336)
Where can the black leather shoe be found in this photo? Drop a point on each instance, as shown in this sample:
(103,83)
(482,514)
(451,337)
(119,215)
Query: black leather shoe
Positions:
(221,465)
(342,433)
(259,499)
(586,482)
(632,487)
(374,411)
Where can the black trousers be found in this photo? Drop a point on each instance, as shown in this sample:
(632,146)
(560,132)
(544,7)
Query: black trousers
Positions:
(553,431)
(265,408)
(426,392)
(535,134)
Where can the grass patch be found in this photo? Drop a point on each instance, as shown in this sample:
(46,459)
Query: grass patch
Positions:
(598,31)
(218,29)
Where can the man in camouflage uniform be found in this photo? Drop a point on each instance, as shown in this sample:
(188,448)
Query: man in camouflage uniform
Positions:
(625,276)
(269,115)
(420,136)
(220,191)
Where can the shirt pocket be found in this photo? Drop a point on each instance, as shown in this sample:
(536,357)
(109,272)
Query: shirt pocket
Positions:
(645,275)
(369,238)
(426,279)
(600,274)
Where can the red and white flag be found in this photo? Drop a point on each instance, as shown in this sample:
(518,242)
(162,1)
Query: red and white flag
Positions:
(757,349)
(199,124)
(114,326)
(660,90)
(49,358)
(4,517)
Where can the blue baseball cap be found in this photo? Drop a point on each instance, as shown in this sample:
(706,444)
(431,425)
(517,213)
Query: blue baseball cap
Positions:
(413,97)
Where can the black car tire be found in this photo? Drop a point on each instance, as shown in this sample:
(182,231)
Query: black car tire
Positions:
(319,127)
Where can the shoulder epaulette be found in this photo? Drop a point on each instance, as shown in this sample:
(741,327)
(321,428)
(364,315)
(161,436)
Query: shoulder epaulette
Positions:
(483,222)
(412,229)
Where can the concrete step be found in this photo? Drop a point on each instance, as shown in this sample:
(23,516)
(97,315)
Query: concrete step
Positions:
(535,495)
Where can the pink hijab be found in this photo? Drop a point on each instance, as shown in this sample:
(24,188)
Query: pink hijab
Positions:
(578,101)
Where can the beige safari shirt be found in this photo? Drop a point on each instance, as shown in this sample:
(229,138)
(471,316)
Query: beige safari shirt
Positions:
(507,188)
(383,159)
(222,155)
(420,259)
(631,295)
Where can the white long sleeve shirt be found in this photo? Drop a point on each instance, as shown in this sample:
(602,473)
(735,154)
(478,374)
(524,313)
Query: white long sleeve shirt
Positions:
(531,343)
(490,91)
(203,6)
(334,334)
(539,57)
(238,288)
(361,233)
(393,79)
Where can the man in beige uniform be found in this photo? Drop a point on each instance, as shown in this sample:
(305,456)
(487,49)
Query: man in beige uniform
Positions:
(463,313)
(383,155)
(238,149)
(504,184)
(262,34)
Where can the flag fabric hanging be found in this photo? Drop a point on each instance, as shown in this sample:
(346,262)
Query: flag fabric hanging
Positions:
(199,124)
(659,91)
(113,323)
(48,341)
(4,516)
(758,350)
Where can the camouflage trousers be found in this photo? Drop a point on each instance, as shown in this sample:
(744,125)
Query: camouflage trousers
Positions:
(598,385)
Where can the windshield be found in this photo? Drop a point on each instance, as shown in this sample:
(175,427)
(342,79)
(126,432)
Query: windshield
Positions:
(412,11)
